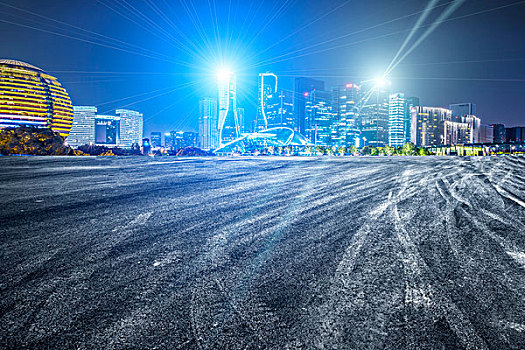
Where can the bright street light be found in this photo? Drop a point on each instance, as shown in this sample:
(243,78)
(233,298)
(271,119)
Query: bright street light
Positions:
(382,82)
(224,74)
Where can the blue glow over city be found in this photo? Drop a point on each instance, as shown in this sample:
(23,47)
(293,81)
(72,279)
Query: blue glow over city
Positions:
(161,58)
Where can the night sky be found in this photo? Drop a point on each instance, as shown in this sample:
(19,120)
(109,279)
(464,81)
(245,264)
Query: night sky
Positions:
(161,56)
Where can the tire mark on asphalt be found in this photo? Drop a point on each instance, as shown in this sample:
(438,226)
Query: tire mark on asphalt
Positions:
(330,327)
(506,194)
(421,292)
(214,254)
(455,208)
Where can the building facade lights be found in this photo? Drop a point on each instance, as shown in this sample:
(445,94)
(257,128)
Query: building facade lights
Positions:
(29,96)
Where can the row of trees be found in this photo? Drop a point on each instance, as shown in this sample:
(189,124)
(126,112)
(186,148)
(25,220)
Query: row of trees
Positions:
(408,149)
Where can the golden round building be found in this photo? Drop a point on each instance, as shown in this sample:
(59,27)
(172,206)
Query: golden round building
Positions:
(29,96)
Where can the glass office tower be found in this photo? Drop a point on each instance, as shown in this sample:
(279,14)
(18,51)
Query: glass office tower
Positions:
(374,116)
(303,88)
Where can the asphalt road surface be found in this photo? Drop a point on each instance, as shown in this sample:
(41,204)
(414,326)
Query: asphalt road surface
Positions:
(262,253)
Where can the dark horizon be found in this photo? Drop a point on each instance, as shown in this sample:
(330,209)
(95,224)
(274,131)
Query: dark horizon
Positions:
(106,51)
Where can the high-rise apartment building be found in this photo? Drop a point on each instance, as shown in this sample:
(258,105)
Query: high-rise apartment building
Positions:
(131,127)
(426,125)
(208,124)
(229,126)
(83,129)
(303,88)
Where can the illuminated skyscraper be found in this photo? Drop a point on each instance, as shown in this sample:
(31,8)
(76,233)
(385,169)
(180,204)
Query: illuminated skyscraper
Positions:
(279,110)
(427,124)
(174,140)
(229,127)
(345,127)
(83,130)
(168,140)
(374,115)
(303,88)
(208,124)
(131,127)
(240,117)
(396,120)
(411,103)
(267,89)
(319,118)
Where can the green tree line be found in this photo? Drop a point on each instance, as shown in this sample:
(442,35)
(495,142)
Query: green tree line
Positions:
(408,149)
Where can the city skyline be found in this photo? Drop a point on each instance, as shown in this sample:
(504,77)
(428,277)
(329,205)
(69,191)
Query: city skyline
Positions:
(98,67)
(368,114)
